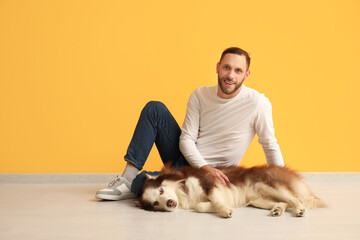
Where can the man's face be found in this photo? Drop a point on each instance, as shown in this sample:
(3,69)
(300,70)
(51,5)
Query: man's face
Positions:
(232,72)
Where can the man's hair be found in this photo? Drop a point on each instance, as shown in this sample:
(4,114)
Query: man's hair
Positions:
(238,51)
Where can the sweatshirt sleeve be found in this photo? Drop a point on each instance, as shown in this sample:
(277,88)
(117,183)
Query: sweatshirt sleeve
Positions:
(190,132)
(264,128)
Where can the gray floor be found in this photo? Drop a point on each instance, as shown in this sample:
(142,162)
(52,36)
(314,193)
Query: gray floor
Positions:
(56,210)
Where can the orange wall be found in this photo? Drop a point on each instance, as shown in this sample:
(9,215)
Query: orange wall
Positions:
(74,76)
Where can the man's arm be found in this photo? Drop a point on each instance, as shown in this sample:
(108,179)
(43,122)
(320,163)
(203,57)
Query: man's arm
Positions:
(190,132)
(264,127)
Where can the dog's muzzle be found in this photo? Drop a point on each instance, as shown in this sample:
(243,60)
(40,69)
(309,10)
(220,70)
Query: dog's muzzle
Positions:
(171,203)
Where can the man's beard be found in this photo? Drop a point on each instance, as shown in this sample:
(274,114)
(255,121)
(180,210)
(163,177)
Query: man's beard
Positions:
(226,91)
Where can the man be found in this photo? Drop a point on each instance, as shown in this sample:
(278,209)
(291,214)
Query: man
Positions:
(220,123)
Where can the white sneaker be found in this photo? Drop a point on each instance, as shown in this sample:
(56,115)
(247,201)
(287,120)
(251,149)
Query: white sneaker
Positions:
(117,190)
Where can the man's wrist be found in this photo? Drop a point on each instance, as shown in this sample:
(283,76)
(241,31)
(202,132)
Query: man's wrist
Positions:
(206,167)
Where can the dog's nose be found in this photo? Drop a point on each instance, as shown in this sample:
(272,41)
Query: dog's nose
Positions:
(171,203)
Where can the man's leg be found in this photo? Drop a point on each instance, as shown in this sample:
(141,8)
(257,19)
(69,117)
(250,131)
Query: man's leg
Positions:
(159,126)
(155,125)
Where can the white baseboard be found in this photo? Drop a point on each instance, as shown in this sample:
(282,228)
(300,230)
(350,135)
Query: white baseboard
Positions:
(58,178)
(348,177)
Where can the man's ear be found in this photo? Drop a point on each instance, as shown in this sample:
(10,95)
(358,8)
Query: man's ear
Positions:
(217,67)
(247,74)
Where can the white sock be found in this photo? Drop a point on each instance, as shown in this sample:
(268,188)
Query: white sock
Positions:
(130,172)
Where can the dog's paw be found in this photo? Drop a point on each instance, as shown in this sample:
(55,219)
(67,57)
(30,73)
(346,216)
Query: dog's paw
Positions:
(300,212)
(226,212)
(276,211)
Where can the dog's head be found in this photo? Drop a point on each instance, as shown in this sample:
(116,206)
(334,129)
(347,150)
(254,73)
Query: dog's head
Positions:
(159,193)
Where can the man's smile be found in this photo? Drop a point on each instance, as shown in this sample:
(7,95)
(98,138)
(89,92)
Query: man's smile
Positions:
(228,82)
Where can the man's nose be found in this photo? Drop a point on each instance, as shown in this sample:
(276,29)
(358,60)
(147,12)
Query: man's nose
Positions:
(230,75)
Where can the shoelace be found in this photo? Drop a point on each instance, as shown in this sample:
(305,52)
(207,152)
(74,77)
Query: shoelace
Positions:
(112,183)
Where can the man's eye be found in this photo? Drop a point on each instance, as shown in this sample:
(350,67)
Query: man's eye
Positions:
(161,191)
(156,203)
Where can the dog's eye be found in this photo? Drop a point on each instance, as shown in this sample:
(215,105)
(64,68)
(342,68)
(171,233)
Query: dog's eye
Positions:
(161,191)
(156,203)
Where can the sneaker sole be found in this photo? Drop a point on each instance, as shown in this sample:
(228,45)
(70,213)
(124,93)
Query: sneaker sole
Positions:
(114,197)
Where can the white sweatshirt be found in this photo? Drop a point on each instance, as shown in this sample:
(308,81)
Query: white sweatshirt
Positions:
(217,131)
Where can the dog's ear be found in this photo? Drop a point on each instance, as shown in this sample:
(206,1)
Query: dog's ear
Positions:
(181,184)
(168,168)
(150,177)
(137,202)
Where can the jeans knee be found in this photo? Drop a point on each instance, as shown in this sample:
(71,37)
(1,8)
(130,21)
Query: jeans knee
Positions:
(154,106)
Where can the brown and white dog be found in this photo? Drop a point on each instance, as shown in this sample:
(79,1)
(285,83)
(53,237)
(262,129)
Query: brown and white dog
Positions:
(268,187)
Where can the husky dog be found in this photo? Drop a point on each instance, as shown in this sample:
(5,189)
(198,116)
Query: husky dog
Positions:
(267,187)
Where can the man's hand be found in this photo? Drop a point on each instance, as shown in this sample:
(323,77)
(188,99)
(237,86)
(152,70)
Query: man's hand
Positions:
(219,175)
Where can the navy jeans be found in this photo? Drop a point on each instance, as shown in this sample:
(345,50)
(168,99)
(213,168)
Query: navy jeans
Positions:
(155,125)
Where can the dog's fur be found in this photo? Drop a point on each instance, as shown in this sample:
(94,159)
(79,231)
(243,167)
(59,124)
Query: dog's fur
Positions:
(267,187)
